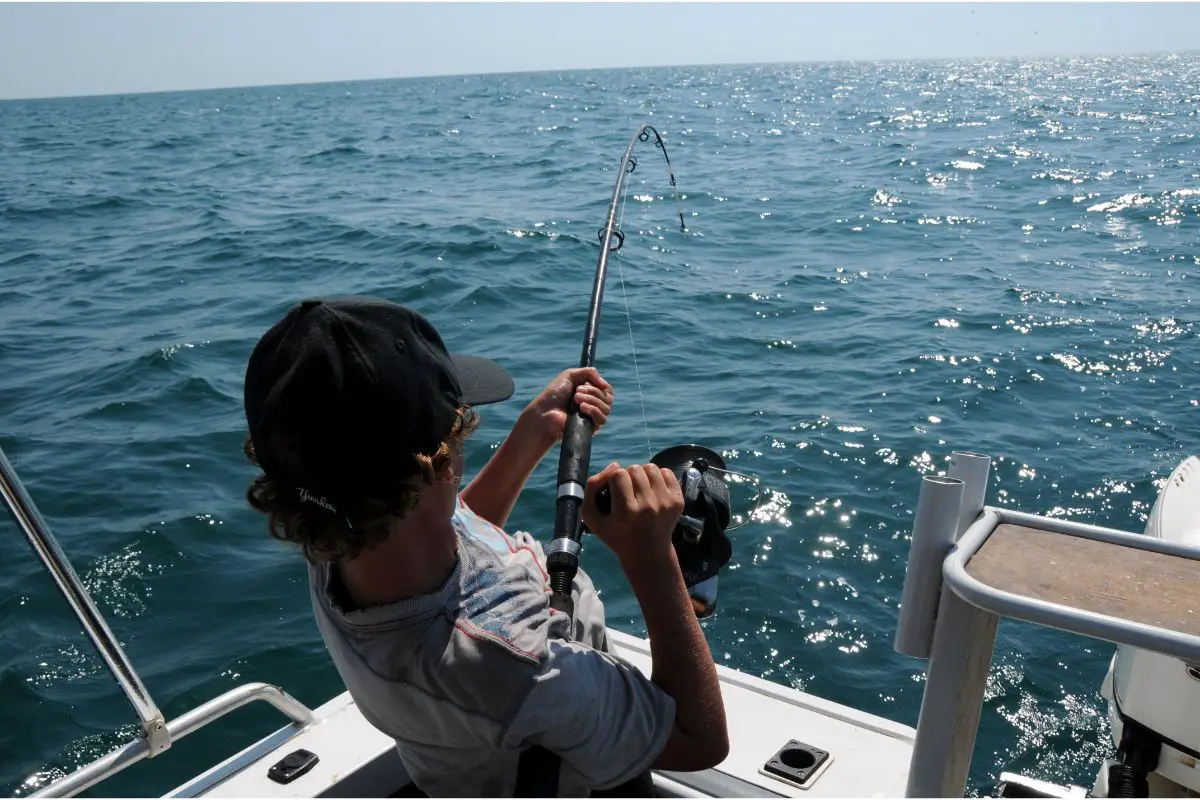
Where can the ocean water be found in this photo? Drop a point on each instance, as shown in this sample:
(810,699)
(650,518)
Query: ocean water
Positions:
(884,262)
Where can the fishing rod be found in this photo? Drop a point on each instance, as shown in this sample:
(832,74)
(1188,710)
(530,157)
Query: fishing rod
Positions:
(562,557)
(699,538)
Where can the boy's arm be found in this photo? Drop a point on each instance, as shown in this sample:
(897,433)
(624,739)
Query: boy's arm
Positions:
(494,491)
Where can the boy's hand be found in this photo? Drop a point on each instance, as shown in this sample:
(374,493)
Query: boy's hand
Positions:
(586,387)
(646,505)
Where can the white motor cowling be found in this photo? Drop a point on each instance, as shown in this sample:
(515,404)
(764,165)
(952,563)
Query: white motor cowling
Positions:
(1158,693)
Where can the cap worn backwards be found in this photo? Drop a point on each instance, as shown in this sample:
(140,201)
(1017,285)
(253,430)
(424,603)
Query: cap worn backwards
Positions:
(342,392)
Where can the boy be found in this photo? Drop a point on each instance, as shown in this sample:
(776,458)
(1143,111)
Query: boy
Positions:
(437,620)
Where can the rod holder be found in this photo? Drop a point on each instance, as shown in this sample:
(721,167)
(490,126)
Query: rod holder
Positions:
(935,528)
(973,470)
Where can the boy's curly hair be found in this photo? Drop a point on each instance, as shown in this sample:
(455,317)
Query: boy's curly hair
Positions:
(323,536)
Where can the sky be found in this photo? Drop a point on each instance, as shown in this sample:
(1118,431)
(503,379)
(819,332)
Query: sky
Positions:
(52,49)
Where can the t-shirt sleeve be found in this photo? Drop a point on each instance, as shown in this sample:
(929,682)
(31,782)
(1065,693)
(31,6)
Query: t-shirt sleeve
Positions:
(603,717)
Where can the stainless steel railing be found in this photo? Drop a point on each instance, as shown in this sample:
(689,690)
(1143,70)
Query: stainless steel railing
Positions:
(30,521)
(176,729)
(157,733)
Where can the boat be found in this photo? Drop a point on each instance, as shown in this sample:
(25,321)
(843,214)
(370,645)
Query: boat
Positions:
(969,565)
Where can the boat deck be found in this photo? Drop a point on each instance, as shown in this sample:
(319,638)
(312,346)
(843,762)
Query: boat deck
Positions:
(868,755)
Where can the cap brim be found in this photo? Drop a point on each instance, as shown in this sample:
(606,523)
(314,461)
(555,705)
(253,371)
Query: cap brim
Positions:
(482,381)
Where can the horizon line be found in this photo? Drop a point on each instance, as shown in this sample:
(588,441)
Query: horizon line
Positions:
(497,73)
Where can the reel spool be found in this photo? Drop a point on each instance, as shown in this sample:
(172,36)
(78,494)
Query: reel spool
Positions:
(700,542)
(699,538)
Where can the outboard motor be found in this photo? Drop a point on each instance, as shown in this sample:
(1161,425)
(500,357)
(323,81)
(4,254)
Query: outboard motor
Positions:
(1154,699)
(1154,714)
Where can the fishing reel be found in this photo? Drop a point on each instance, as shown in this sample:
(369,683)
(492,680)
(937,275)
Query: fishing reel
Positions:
(699,538)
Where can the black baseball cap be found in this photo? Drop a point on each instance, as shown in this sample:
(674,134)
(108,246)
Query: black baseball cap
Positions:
(343,391)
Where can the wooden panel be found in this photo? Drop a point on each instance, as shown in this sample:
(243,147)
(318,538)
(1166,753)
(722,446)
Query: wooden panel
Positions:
(1111,579)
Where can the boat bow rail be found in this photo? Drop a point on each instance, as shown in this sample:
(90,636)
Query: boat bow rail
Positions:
(971,564)
(157,733)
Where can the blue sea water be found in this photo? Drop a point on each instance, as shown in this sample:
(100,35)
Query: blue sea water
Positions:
(884,262)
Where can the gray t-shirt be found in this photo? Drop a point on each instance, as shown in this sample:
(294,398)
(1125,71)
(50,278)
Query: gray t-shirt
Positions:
(466,678)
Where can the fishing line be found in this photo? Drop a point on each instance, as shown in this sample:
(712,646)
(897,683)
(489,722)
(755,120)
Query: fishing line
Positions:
(754,480)
(629,321)
(643,136)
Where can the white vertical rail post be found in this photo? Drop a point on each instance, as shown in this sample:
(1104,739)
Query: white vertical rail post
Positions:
(933,533)
(963,641)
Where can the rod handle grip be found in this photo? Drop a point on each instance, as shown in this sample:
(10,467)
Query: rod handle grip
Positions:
(576,448)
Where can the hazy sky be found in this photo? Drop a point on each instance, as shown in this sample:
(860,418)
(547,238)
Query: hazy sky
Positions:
(92,48)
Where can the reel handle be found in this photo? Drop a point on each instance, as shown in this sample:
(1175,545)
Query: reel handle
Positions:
(604,496)
(691,527)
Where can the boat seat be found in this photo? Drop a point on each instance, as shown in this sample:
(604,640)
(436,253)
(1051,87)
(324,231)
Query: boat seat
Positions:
(1154,589)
